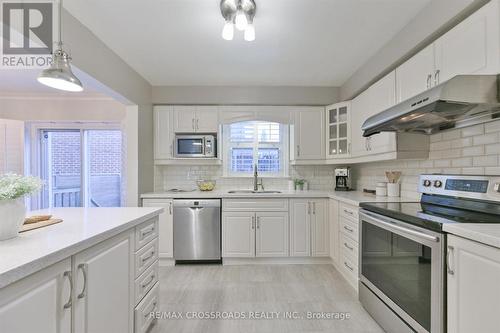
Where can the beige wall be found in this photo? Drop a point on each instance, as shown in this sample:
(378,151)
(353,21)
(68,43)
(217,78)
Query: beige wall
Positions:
(433,21)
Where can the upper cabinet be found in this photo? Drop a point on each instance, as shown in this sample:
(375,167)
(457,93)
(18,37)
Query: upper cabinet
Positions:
(308,138)
(163,132)
(338,130)
(195,118)
(472,47)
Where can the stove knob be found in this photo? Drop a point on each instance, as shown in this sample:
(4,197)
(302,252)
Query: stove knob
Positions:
(438,183)
(427,183)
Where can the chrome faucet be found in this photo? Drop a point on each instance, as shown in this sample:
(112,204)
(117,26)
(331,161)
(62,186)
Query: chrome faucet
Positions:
(256,182)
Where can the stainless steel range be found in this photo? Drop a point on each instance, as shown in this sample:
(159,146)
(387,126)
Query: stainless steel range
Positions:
(402,281)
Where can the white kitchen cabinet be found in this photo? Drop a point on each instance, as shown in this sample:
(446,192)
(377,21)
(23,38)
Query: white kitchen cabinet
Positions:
(416,74)
(308,139)
(360,111)
(163,132)
(238,234)
(195,118)
(166,232)
(472,47)
(38,303)
(333,220)
(338,130)
(473,291)
(103,292)
(309,228)
(271,234)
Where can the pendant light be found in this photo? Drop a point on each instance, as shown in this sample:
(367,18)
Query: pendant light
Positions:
(59,74)
(239,14)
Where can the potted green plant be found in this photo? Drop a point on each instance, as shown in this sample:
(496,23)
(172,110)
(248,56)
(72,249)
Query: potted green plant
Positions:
(299,184)
(13,189)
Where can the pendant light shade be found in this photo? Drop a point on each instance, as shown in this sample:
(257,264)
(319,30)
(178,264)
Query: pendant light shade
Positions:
(239,15)
(228,31)
(59,75)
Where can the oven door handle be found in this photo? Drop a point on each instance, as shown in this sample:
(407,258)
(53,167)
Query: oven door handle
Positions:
(393,226)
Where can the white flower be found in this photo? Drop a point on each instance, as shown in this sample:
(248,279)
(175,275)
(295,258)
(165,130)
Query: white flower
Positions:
(14,186)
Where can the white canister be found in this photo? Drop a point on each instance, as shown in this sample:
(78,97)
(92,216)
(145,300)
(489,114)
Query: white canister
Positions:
(381,189)
(291,185)
(393,189)
(13,213)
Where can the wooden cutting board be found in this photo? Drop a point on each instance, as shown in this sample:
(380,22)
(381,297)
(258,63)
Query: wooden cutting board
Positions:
(41,224)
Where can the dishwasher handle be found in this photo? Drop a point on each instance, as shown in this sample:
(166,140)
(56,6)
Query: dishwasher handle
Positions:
(197,203)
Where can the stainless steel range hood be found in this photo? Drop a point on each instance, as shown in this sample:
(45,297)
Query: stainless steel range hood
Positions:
(461,101)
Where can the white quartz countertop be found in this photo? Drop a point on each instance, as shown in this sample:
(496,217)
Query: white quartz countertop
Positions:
(485,233)
(350,197)
(81,228)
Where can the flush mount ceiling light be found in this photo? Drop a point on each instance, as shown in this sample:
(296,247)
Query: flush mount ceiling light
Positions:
(59,74)
(239,13)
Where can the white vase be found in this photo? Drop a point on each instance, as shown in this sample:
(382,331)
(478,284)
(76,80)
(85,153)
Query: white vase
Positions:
(393,189)
(13,213)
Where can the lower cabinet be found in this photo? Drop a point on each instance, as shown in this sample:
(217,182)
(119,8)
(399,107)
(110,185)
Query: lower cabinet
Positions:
(473,292)
(165,225)
(38,303)
(251,234)
(309,228)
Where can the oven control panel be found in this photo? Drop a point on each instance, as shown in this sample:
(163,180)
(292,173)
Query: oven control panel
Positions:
(474,187)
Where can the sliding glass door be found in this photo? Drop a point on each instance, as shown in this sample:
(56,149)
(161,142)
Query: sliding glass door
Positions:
(81,167)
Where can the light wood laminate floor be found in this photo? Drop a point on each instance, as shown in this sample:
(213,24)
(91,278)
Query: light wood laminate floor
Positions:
(226,290)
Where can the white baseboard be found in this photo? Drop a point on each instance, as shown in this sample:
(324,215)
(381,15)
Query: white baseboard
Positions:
(276,261)
(165,262)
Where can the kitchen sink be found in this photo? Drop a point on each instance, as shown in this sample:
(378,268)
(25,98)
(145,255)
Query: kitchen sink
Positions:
(252,191)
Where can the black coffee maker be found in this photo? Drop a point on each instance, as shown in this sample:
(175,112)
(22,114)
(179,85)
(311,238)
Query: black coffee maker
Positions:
(342,179)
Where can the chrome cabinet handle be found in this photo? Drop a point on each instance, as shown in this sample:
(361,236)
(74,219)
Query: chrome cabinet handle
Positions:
(429,78)
(172,150)
(152,253)
(348,212)
(348,229)
(70,300)
(449,253)
(436,77)
(253,222)
(170,208)
(192,124)
(349,148)
(298,150)
(314,208)
(83,267)
(146,233)
(349,267)
(309,208)
(258,222)
(151,279)
(349,247)
(197,124)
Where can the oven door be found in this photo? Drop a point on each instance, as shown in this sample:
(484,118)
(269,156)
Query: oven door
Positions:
(190,146)
(403,265)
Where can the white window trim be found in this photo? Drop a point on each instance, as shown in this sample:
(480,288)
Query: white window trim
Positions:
(285,160)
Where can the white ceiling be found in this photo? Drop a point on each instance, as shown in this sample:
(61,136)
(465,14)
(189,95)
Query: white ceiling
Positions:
(299,42)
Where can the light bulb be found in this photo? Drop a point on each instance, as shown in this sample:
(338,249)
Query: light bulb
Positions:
(250,33)
(240,20)
(228,31)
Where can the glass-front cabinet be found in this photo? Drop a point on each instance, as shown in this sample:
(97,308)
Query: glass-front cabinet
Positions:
(338,131)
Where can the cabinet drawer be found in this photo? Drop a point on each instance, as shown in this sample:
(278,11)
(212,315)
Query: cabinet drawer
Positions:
(142,313)
(145,282)
(348,211)
(250,204)
(349,247)
(145,233)
(350,269)
(349,228)
(145,257)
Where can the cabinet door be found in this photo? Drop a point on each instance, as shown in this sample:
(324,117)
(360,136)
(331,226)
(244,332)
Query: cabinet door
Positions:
(338,131)
(163,132)
(207,119)
(37,302)
(319,228)
(300,228)
(271,234)
(238,234)
(309,134)
(382,95)
(472,47)
(165,226)
(184,118)
(333,220)
(360,111)
(415,75)
(103,286)
(473,290)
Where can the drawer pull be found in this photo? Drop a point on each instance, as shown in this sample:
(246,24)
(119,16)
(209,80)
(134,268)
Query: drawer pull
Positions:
(349,247)
(70,298)
(83,267)
(349,267)
(146,233)
(348,229)
(348,212)
(148,313)
(148,257)
(151,279)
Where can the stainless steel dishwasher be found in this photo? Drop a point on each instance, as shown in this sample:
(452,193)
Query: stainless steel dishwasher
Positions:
(197,230)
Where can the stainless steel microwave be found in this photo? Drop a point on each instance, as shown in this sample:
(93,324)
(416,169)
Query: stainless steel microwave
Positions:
(195,146)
